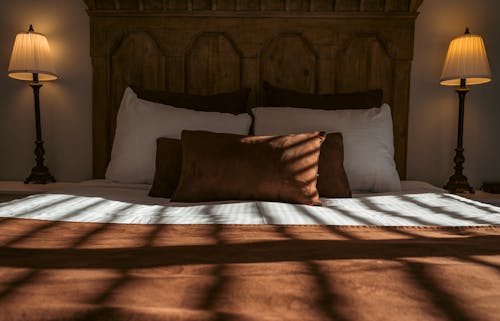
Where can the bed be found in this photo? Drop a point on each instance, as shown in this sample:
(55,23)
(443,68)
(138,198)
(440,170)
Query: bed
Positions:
(106,250)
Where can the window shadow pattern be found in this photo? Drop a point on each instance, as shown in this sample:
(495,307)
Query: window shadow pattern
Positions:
(413,251)
(282,244)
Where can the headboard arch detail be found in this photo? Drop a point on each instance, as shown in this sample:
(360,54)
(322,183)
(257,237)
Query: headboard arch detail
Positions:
(213,64)
(289,60)
(367,61)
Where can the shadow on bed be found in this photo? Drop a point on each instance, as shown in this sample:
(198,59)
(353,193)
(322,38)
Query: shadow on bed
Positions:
(38,254)
(293,250)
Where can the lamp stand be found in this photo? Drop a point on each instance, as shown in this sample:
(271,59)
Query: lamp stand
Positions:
(457,182)
(40,173)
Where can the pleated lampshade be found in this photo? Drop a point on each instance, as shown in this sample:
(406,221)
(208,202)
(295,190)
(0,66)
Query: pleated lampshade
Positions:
(31,54)
(466,59)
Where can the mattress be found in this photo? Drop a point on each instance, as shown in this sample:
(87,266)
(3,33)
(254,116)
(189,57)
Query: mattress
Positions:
(101,201)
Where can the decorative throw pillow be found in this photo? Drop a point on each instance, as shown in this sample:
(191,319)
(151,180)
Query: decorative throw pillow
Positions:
(332,178)
(367,139)
(168,167)
(231,102)
(233,167)
(140,122)
(281,97)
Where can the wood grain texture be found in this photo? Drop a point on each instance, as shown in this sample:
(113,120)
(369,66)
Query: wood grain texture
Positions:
(213,65)
(363,64)
(211,46)
(289,61)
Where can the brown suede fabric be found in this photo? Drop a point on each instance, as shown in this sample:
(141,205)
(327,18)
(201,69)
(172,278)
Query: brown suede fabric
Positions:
(168,167)
(332,178)
(233,167)
(231,102)
(281,97)
(127,272)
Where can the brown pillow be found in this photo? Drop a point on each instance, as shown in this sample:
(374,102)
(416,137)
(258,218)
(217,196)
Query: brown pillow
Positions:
(232,102)
(281,97)
(168,167)
(234,167)
(332,178)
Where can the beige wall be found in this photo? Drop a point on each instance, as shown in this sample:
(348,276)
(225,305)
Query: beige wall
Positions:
(66,103)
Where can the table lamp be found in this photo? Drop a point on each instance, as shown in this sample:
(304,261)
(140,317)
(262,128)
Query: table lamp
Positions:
(466,63)
(31,61)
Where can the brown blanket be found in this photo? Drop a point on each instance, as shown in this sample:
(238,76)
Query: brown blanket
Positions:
(85,271)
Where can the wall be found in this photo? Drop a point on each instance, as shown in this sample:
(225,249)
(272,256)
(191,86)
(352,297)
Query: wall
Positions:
(66,103)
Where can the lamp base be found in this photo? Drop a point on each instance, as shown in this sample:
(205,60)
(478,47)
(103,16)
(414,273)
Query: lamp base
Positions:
(457,183)
(39,175)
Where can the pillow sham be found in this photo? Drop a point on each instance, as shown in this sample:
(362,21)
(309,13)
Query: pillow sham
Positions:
(367,139)
(231,102)
(168,167)
(139,123)
(332,179)
(281,97)
(234,167)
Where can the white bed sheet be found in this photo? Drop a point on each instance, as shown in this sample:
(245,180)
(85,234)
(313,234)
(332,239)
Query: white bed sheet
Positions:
(418,204)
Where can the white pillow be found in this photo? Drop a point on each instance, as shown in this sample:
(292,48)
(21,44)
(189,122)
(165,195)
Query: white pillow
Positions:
(139,123)
(368,140)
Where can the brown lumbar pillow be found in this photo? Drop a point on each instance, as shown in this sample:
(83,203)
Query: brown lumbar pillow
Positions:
(168,167)
(332,179)
(282,97)
(231,102)
(234,167)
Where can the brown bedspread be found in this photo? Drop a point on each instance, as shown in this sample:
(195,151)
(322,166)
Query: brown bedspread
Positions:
(85,271)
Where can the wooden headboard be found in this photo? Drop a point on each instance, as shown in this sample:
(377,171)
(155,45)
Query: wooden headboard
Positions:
(211,46)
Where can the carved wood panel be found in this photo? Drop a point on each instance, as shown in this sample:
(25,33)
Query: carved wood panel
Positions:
(213,65)
(289,61)
(364,64)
